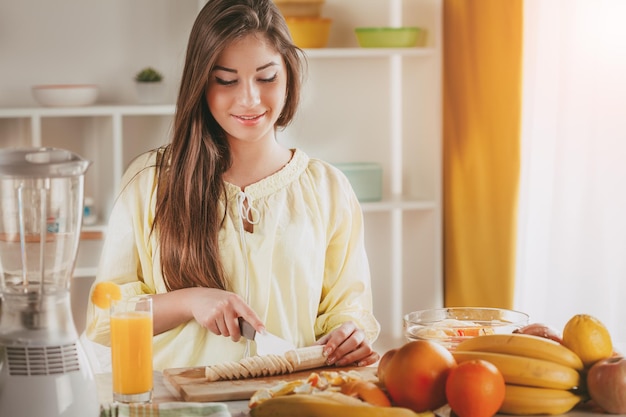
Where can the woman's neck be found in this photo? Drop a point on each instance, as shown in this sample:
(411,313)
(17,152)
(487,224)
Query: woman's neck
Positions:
(251,162)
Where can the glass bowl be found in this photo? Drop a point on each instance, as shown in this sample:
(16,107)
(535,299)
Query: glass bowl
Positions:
(450,326)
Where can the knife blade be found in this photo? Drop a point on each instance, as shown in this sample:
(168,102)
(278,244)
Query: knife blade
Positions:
(266,343)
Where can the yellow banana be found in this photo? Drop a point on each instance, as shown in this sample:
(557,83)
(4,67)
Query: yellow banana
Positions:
(521,400)
(521,370)
(307,405)
(524,345)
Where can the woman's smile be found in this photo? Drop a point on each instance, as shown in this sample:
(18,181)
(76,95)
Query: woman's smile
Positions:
(247,89)
(249,119)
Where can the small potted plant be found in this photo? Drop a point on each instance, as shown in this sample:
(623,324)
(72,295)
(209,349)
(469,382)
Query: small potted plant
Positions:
(149,86)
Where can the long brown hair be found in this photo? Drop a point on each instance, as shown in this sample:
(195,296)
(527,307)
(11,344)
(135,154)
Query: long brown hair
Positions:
(188,215)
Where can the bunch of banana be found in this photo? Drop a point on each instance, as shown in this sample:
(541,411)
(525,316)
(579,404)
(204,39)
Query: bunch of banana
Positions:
(330,405)
(541,375)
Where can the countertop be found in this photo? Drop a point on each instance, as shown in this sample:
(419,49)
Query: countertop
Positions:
(240,408)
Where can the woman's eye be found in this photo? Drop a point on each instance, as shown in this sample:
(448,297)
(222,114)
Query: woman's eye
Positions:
(270,79)
(221,81)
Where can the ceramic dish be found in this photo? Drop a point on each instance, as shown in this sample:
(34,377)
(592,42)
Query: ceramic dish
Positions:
(365,178)
(65,95)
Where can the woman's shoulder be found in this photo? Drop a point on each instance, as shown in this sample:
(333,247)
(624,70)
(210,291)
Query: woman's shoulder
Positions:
(148,159)
(324,170)
(143,167)
(325,180)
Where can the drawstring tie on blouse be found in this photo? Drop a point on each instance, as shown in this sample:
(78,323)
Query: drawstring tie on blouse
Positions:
(246,211)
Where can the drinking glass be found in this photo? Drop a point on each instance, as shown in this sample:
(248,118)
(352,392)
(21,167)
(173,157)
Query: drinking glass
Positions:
(131,349)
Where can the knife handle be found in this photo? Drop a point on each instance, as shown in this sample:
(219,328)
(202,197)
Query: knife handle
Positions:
(246,329)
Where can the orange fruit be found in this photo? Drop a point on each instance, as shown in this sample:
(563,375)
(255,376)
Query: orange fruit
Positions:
(475,388)
(366,391)
(382,365)
(586,336)
(104,292)
(416,375)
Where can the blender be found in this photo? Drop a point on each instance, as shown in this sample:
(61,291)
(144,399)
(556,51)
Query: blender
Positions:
(43,369)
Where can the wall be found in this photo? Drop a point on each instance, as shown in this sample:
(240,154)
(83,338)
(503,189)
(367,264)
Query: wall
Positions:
(90,41)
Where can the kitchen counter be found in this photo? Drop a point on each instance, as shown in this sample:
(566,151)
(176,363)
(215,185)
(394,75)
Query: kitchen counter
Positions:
(240,408)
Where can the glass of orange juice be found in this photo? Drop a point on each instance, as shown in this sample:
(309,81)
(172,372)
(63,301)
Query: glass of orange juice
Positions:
(131,349)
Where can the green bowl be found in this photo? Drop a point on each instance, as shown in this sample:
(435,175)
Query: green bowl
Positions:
(390,37)
(365,178)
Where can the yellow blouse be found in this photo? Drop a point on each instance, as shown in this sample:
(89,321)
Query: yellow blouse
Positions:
(303,270)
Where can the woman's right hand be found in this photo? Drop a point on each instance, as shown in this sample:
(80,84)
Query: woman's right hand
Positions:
(216,310)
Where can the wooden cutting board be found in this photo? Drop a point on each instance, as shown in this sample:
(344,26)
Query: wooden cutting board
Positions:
(191,385)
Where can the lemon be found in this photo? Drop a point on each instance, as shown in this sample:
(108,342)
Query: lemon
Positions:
(586,336)
(104,292)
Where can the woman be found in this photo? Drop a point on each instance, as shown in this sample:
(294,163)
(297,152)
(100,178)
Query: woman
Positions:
(225,222)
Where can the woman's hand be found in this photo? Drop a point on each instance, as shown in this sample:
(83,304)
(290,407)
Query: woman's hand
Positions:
(348,345)
(216,310)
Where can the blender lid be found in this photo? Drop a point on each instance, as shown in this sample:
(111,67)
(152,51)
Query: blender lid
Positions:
(41,162)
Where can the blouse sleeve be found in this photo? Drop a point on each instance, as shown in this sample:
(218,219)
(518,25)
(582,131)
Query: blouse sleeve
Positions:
(346,292)
(126,256)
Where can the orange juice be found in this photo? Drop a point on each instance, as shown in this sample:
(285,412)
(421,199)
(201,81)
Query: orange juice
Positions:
(131,352)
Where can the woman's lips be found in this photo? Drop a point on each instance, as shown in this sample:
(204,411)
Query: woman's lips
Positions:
(249,119)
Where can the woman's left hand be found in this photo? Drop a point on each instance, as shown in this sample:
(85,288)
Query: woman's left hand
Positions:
(347,345)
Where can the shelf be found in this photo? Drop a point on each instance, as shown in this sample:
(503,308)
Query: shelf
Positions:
(95,232)
(398,203)
(366,52)
(97,110)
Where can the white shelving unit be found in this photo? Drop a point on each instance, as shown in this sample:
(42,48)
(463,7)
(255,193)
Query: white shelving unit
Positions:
(381,105)
(384,105)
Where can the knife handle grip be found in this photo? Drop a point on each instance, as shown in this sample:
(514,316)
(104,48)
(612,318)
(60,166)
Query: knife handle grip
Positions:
(307,357)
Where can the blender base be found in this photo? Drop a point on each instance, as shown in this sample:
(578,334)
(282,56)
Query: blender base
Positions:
(70,393)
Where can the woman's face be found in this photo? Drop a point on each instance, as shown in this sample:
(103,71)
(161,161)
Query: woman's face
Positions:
(247,88)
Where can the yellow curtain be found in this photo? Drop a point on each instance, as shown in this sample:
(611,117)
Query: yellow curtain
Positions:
(481,139)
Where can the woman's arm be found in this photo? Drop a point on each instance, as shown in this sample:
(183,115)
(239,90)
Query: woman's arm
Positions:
(345,317)
(216,310)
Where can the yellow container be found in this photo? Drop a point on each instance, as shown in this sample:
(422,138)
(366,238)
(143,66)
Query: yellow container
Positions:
(309,32)
(300,8)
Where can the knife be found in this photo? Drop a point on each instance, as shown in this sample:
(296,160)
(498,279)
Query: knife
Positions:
(266,343)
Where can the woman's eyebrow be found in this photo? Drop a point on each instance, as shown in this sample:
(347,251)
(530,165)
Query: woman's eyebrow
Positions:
(261,68)
(269,64)
(220,68)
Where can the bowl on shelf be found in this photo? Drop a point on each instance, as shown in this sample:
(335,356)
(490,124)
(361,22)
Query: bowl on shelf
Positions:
(390,37)
(300,8)
(365,178)
(450,326)
(309,32)
(65,95)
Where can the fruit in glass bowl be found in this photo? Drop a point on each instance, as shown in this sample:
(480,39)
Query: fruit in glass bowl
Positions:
(450,326)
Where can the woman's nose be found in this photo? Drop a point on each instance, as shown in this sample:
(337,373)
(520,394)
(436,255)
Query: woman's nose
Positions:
(249,94)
